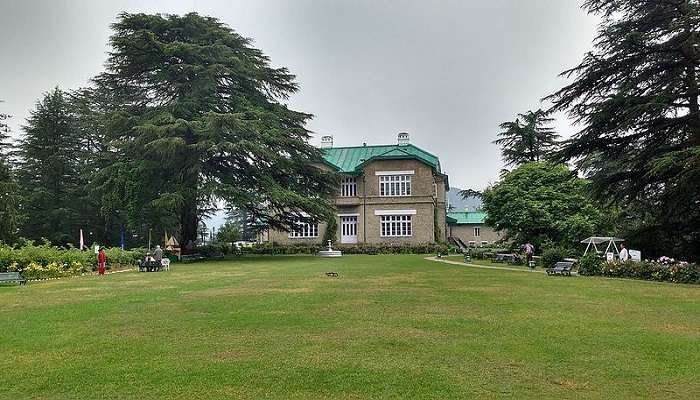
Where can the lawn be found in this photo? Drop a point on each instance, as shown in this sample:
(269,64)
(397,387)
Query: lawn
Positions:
(389,327)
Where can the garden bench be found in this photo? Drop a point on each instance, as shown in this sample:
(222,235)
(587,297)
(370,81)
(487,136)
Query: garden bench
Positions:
(12,277)
(150,266)
(504,258)
(561,268)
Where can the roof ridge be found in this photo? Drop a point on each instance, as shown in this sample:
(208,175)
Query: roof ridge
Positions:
(364,146)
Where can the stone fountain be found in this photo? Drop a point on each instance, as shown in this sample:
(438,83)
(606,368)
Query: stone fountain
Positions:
(330,252)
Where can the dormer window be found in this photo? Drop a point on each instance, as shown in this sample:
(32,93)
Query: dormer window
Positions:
(348,187)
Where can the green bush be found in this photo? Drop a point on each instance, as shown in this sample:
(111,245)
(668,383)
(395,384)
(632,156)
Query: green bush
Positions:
(213,250)
(310,248)
(486,253)
(646,270)
(46,261)
(553,256)
(590,264)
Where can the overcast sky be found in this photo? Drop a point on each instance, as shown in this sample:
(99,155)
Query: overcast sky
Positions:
(447,72)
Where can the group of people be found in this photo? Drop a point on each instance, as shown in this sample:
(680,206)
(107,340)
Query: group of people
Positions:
(156,258)
(152,262)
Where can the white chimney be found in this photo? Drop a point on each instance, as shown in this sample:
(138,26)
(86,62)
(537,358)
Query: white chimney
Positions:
(326,142)
(403,139)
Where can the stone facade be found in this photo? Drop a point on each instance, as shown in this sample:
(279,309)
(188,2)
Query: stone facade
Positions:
(426,206)
(467,234)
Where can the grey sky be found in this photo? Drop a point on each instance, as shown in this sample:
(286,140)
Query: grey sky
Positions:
(447,72)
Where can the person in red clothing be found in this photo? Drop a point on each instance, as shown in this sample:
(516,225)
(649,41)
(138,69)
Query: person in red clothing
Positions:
(101,262)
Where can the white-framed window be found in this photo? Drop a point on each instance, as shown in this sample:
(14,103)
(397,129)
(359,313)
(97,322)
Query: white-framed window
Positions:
(472,243)
(394,185)
(477,231)
(484,243)
(304,230)
(348,187)
(396,225)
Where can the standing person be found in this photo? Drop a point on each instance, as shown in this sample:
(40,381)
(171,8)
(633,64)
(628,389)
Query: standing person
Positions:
(624,253)
(529,252)
(101,262)
(158,257)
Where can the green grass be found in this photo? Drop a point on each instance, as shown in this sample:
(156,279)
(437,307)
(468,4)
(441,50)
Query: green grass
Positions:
(390,327)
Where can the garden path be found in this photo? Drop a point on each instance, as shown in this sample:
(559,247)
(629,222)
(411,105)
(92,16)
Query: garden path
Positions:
(442,260)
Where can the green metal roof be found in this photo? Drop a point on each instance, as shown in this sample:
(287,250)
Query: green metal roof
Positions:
(350,160)
(466,217)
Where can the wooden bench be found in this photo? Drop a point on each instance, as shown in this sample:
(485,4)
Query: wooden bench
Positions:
(504,258)
(561,268)
(150,266)
(12,277)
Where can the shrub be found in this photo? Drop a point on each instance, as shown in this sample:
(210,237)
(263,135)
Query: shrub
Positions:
(46,261)
(590,264)
(646,270)
(486,253)
(213,250)
(310,248)
(553,256)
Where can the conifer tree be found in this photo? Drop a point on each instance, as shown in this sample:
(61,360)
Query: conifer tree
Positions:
(529,138)
(4,132)
(197,115)
(636,96)
(48,172)
(9,198)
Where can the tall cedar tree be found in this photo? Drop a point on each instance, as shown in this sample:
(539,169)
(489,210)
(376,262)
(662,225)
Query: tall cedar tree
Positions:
(197,116)
(636,94)
(529,138)
(48,172)
(4,132)
(9,199)
(89,123)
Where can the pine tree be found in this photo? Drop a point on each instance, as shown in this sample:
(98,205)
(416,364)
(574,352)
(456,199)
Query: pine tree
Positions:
(636,96)
(529,138)
(4,133)
(48,171)
(89,124)
(197,116)
(9,198)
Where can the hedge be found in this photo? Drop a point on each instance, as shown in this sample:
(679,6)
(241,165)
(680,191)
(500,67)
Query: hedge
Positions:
(592,265)
(46,261)
(272,249)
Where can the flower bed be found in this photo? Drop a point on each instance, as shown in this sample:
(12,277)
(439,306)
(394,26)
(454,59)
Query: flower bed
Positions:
(46,261)
(662,270)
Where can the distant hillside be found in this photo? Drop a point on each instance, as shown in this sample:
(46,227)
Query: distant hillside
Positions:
(459,204)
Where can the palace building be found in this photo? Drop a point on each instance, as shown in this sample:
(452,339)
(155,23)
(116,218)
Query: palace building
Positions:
(389,194)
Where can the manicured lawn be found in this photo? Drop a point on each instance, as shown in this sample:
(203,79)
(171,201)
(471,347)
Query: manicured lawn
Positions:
(390,327)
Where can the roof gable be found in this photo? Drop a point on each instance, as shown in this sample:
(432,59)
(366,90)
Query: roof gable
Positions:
(351,159)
